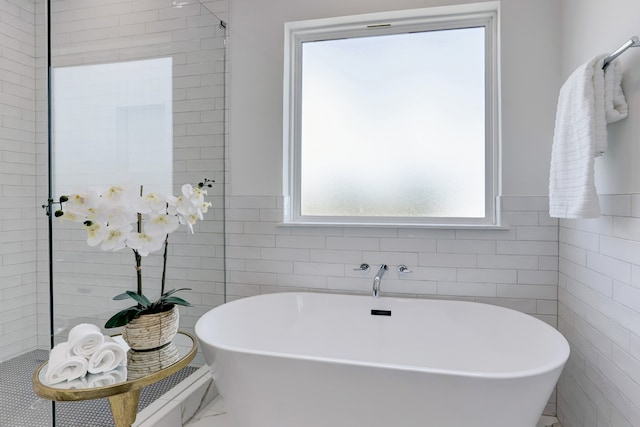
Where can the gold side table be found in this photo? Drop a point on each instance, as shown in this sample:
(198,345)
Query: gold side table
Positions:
(143,368)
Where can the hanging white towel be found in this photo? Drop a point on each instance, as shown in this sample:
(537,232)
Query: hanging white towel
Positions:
(589,99)
(62,367)
(84,340)
(107,356)
(615,104)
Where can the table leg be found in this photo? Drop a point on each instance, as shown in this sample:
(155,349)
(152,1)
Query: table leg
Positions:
(124,407)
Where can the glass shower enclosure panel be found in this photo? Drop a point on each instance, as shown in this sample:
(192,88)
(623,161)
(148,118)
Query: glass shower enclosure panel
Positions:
(138,100)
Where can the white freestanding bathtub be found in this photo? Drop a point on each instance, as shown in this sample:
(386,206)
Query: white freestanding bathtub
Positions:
(318,360)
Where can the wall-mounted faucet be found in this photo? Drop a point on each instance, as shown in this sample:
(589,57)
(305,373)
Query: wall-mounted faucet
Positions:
(376,280)
(363,267)
(404,269)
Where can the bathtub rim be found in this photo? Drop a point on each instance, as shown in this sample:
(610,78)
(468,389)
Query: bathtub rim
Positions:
(557,362)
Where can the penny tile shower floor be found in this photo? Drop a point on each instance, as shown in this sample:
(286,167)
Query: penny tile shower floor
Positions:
(20,407)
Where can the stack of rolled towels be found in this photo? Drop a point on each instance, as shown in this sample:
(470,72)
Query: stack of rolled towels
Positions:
(88,359)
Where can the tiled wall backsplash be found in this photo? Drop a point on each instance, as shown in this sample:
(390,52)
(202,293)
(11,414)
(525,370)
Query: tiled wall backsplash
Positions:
(514,267)
(17,178)
(599,313)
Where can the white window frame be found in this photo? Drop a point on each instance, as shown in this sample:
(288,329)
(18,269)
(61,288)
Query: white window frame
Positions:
(438,18)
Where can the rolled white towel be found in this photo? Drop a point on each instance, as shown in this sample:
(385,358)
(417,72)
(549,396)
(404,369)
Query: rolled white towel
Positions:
(79,384)
(63,367)
(84,340)
(107,356)
(115,376)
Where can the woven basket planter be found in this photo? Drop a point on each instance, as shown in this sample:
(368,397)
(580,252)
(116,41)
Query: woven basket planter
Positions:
(141,363)
(151,331)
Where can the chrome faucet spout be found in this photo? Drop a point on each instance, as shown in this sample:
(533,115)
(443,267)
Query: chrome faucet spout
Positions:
(376,280)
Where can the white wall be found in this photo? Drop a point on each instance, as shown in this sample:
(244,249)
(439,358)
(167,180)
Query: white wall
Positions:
(599,280)
(17,178)
(529,86)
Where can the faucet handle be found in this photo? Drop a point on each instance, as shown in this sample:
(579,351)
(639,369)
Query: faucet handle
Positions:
(404,269)
(363,267)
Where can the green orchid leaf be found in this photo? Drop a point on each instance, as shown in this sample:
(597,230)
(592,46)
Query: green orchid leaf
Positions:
(123,317)
(173,291)
(141,299)
(177,301)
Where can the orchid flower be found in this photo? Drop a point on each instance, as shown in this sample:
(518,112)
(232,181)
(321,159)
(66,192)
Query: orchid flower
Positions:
(161,224)
(152,202)
(96,233)
(83,204)
(111,213)
(145,243)
(116,238)
(190,206)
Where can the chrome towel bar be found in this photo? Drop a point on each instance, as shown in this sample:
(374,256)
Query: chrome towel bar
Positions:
(632,42)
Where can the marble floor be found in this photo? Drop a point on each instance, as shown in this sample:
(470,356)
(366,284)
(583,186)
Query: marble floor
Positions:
(215,415)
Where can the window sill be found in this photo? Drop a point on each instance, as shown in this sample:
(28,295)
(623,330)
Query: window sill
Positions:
(395,225)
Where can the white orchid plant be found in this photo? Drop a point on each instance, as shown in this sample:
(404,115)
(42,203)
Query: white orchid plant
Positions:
(121,217)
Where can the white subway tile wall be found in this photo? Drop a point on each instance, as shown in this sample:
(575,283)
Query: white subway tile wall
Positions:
(599,313)
(18,316)
(516,266)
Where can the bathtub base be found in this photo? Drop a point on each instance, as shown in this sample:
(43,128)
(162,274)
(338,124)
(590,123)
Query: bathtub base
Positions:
(372,397)
(217,415)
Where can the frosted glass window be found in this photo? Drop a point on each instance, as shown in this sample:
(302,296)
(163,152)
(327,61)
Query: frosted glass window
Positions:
(393,125)
(113,124)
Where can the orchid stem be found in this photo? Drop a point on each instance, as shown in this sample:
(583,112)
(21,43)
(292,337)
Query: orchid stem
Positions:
(138,257)
(138,271)
(164,265)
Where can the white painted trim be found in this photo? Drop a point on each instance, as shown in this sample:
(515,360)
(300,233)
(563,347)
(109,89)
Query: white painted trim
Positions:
(485,14)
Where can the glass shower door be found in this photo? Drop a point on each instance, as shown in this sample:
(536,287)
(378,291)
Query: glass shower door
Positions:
(138,98)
